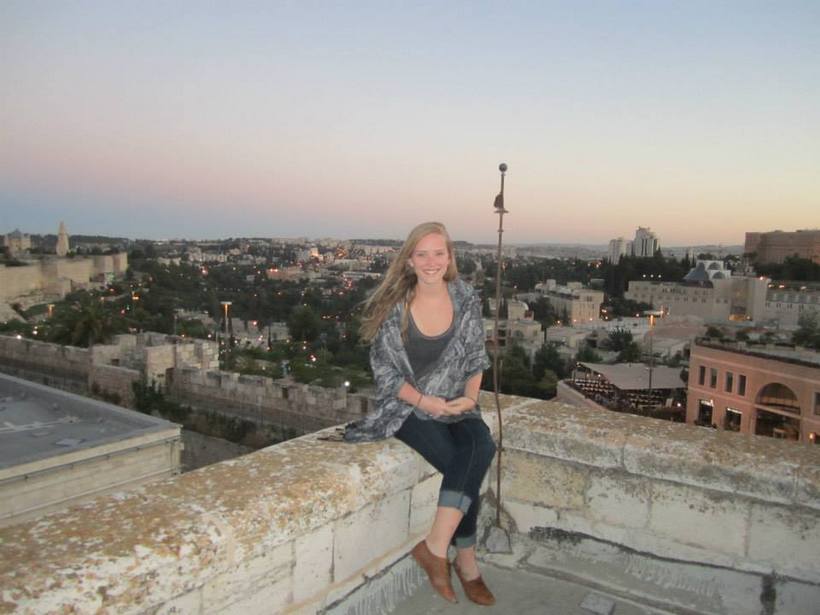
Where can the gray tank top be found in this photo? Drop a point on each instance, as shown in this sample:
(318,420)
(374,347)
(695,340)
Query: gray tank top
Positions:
(424,350)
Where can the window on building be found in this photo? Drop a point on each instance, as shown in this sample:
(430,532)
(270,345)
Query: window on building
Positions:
(741,385)
(705,409)
(713,378)
(731,420)
(730,378)
(701,375)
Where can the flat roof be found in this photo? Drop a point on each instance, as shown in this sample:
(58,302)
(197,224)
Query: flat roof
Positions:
(635,376)
(38,422)
(807,357)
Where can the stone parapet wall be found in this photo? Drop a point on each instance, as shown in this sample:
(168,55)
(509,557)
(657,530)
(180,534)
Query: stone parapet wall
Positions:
(713,513)
(115,384)
(282,403)
(693,520)
(63,367)
(289,527)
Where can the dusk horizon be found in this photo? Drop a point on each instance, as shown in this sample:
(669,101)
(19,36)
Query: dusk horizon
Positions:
(699,121)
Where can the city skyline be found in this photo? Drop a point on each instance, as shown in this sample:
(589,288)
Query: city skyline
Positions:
(361,119)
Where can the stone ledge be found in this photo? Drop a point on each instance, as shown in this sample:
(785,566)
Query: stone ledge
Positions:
(752,466)
(139,550)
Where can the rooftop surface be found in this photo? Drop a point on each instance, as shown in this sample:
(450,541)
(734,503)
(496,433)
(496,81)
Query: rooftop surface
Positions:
(798,356)
(524,593)
(37,422)
(635,376)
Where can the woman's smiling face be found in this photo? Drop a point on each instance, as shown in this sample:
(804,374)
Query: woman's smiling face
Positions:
(430,258)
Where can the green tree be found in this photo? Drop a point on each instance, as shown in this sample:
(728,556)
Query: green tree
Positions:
(619,339)
(83,323)
(548,358)
(808,331)
(304,324)
(587,354)
(714,332)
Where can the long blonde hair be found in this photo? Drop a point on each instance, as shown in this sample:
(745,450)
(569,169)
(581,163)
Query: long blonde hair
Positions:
(399,283)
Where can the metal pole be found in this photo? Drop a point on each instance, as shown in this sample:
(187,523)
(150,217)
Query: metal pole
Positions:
(499,209)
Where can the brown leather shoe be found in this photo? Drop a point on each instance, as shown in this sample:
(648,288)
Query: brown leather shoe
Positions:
(437,569)
(476,590)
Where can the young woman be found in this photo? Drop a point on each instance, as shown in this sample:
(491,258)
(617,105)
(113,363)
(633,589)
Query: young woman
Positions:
(427,356)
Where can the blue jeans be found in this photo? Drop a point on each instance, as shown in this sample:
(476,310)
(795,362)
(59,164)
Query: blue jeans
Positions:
(462,452)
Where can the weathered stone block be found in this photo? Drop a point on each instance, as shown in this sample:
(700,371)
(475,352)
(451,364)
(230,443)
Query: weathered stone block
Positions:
(529,516)
(793,598)
(423,503)
(252,581)
(566,432)
(618,499)
(313,555)
(272,598)
(543,481)
(369,533)
(186,604)
(787,540)
(700,518)
(720,461)
(808,484)
(691,587)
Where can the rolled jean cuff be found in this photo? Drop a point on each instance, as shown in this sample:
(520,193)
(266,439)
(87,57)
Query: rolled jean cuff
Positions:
(455,499)
(464,542)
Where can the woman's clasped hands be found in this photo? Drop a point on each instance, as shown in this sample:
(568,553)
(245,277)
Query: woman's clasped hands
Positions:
(438,406)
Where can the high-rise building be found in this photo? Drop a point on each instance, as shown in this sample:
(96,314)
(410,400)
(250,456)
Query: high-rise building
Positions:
(646,243)
(617,248)
(776,246)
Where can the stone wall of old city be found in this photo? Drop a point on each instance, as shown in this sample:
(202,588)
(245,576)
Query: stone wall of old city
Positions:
(62,367)
(280,405)
(688,519)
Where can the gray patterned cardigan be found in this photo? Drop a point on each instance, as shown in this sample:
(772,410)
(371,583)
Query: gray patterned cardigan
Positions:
(463,357)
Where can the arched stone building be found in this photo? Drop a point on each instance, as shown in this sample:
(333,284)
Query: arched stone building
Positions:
(764,391)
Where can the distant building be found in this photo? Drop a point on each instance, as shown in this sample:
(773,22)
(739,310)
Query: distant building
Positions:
(58,449)
(579,304)
(519,327)
(709,291)
(764,391)
(646,243)
(285,273)
(787,305)
(776,246)
(62,241)
(15,243)
(617,248)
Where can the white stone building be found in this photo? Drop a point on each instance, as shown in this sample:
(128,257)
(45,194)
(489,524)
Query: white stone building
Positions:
(709,291)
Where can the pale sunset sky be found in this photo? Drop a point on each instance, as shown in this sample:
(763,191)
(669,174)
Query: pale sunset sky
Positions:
(699,119)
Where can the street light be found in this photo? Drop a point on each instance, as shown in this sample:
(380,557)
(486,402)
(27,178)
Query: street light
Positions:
(226,305)
(652,315)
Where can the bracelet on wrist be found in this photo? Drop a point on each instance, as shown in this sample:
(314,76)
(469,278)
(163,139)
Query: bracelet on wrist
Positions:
(421,396)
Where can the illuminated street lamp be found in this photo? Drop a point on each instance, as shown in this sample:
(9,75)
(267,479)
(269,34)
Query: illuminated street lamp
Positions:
(50,310)
(226,305)
(652,314)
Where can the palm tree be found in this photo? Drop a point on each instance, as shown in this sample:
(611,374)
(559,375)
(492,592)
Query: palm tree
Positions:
(83,323)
